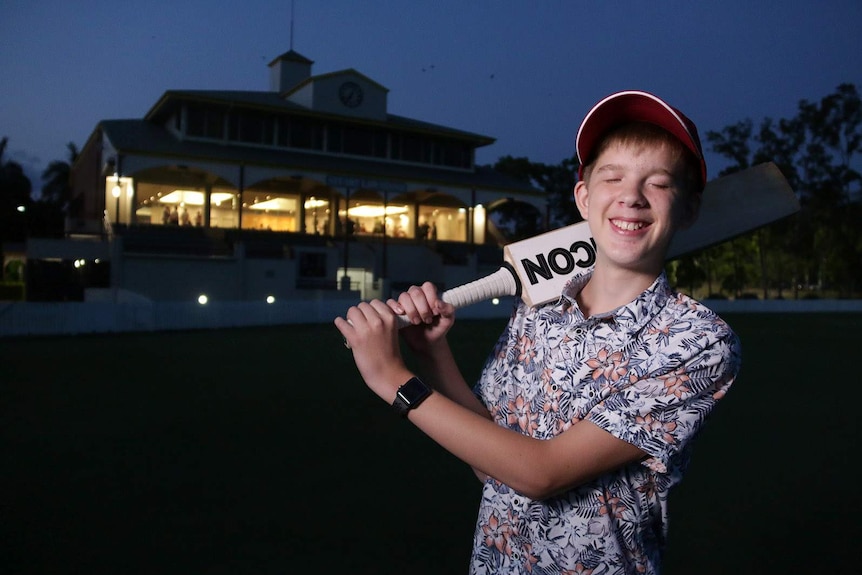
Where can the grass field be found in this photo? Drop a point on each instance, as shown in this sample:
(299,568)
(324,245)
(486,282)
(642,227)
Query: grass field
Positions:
(260,451)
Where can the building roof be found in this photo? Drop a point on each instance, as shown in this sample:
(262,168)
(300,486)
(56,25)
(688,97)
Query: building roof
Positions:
(293,56)
(149,139)
(272,101)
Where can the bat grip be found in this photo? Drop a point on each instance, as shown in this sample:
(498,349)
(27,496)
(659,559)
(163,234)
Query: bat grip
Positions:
(502,282)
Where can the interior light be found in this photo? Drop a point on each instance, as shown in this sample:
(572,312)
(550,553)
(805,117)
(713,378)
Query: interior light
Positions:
(375,211)
(188,197)
(315,203)
(218,197)
(278,204)
(115,191)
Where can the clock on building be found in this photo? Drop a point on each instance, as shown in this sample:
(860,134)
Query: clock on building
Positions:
(350,94)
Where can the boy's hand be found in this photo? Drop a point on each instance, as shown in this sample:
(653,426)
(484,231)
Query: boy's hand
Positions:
(430,317)
(370,329)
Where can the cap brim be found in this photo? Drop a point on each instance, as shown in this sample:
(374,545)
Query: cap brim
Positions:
(634,106)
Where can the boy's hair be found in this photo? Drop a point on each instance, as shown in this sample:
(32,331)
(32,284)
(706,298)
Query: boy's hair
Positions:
(635,106)
(643,134)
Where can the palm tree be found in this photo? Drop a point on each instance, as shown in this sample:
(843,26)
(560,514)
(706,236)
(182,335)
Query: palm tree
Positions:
(56,202)
(57,188)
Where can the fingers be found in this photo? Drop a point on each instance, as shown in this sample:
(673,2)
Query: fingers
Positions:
(370,332)
(364,322)
(419,303)
(342,325)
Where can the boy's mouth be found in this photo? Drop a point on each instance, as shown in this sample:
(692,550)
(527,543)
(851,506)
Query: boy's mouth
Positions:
(628,226)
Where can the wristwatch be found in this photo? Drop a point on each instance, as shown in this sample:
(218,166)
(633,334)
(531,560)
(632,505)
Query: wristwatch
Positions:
(410,395)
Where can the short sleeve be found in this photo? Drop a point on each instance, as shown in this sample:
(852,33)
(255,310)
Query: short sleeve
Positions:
(664,404)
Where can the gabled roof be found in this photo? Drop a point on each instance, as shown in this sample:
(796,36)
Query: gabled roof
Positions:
(345,72)
(273,102)
(149,139)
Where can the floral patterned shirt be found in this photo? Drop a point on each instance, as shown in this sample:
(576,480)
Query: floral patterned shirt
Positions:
(649,373)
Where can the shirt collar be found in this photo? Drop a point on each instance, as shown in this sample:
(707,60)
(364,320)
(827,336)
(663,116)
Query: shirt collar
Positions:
(631,316)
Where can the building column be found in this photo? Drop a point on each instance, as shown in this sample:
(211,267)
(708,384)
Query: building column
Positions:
(207,204)
(241,189)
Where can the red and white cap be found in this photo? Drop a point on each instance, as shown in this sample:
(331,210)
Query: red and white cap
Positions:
(635,106)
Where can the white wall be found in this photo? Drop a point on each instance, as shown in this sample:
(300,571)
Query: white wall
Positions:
(38,319)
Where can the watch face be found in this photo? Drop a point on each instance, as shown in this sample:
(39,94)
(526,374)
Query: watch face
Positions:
(413,390)
(350,94)
(410,395)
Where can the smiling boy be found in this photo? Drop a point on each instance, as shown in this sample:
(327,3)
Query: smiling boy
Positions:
(583,416)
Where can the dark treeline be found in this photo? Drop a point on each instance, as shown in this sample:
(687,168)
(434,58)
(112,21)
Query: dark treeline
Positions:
(22,215)
(815,253)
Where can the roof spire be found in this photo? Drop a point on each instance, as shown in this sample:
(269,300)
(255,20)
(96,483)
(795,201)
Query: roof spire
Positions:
(291,24)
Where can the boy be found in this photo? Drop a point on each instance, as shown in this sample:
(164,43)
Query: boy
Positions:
(583,416)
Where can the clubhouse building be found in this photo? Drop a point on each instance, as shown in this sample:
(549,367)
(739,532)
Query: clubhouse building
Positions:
(303,191)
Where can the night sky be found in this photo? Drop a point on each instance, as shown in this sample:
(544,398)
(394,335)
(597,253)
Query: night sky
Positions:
(523,72)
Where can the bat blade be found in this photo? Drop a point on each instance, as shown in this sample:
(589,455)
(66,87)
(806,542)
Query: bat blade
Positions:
(731,205)
(735,204)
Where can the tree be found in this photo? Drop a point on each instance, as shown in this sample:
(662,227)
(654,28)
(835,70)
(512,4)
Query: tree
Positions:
(815,150)
(48,213)
(15,201)
(834,140)
(517,220)
(57,188)
(558,183)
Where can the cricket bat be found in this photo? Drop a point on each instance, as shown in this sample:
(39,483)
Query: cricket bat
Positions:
(538,268)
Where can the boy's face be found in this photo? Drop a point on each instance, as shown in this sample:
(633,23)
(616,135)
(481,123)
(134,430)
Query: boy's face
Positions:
(634,199)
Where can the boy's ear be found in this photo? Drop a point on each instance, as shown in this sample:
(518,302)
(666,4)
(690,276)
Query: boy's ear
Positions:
(582,198)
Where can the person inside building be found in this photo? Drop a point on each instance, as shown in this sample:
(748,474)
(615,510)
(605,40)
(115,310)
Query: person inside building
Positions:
(584,414)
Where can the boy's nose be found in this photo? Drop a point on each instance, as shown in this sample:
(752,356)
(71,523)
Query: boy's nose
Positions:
(632,195)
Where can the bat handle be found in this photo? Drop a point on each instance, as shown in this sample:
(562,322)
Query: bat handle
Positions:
(502,282)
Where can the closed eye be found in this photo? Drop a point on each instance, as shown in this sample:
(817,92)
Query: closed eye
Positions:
(662,185)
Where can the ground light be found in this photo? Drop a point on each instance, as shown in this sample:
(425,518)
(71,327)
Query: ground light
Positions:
(270,299)
(203,299)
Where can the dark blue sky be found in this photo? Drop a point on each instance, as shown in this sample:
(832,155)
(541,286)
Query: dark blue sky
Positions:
(522,71)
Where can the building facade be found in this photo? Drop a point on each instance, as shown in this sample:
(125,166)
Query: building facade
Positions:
(309,188)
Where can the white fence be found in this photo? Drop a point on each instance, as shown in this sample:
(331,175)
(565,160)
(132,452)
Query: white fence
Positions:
(38,319)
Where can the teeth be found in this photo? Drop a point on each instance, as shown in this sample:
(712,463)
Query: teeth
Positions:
(628,226)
